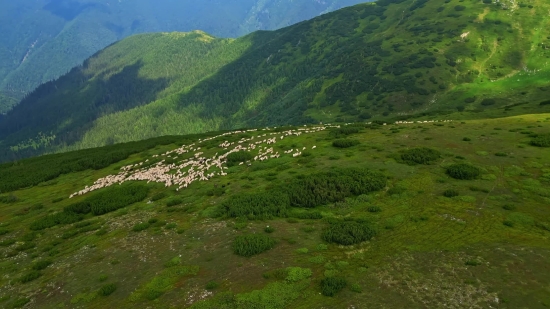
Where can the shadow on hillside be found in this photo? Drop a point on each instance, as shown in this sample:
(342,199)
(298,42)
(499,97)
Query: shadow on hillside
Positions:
(76,109)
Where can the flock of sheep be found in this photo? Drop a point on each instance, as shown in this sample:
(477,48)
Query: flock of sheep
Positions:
(201,168)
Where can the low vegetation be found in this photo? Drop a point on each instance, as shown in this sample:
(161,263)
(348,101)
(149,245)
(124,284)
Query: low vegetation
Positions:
(249,245)
(463,171)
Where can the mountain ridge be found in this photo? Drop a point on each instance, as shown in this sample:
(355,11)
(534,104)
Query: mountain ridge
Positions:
(44,39)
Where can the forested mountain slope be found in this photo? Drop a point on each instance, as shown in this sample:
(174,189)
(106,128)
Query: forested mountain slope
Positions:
(43,39)
(394,58)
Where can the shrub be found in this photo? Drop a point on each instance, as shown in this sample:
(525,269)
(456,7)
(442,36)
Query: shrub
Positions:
(269,229)
(174,202)
(116,197)
(508,223)
(509,207)
(254,206)
(348,233)
(463,171)
(158,196)
(332,285)
(330,187)
(107,289)
(235,158)
(211,285)
(295,274)
(347,130)
(420,156)
(28,277)
(470,99)
(541,141)
(345,143)
(249,245)
(472,263)
(450,193)
(466,139)
(79,208)
(40,265)
(374,209)
(488,102)
(141,227)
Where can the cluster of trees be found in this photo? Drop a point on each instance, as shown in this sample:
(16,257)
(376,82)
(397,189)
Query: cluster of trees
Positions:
(463,171)
(308,192)
(348,232)
(420,156)
(102,202)
(345,143)
(252,244)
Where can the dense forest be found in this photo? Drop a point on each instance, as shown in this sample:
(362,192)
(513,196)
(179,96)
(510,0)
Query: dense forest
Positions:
(387,60)
(42,40)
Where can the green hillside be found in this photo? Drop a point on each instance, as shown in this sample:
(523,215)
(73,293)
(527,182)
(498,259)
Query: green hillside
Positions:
(394,59)
(417,214)
(43,39)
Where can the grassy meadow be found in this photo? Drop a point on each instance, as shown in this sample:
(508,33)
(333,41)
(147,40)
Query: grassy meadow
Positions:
(415,215)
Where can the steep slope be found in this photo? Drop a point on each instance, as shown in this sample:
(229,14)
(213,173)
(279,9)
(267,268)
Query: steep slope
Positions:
(42,40)
(439,214)
(395,58)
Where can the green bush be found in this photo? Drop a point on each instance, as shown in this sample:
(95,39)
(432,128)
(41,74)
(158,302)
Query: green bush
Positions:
(420,156)
(174,202)
(269,229)
(235,158)
(252,244)
(450,193)
(141,227)
(509,207)
(40,265)
(343,131)
(30,276)
(374,209)
(541,140)
(466,139)
(107,289)
(212,285)
(79,208)
(347,232)
(345,143)
(256,206)
(472,263)
(330,187)
(158,196)
(332,285)
(488,102)
(463,171)
(116,197)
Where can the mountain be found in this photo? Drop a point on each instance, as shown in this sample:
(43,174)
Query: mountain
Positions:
(43,39)
(393,59)
(438,214)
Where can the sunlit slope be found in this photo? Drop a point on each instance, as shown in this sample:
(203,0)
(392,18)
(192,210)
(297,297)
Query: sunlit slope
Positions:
(384,60)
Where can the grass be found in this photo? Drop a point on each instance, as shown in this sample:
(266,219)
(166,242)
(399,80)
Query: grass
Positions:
(370,240)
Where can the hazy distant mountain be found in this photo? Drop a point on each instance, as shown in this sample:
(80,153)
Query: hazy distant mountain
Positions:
(43,39)
(392,59)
